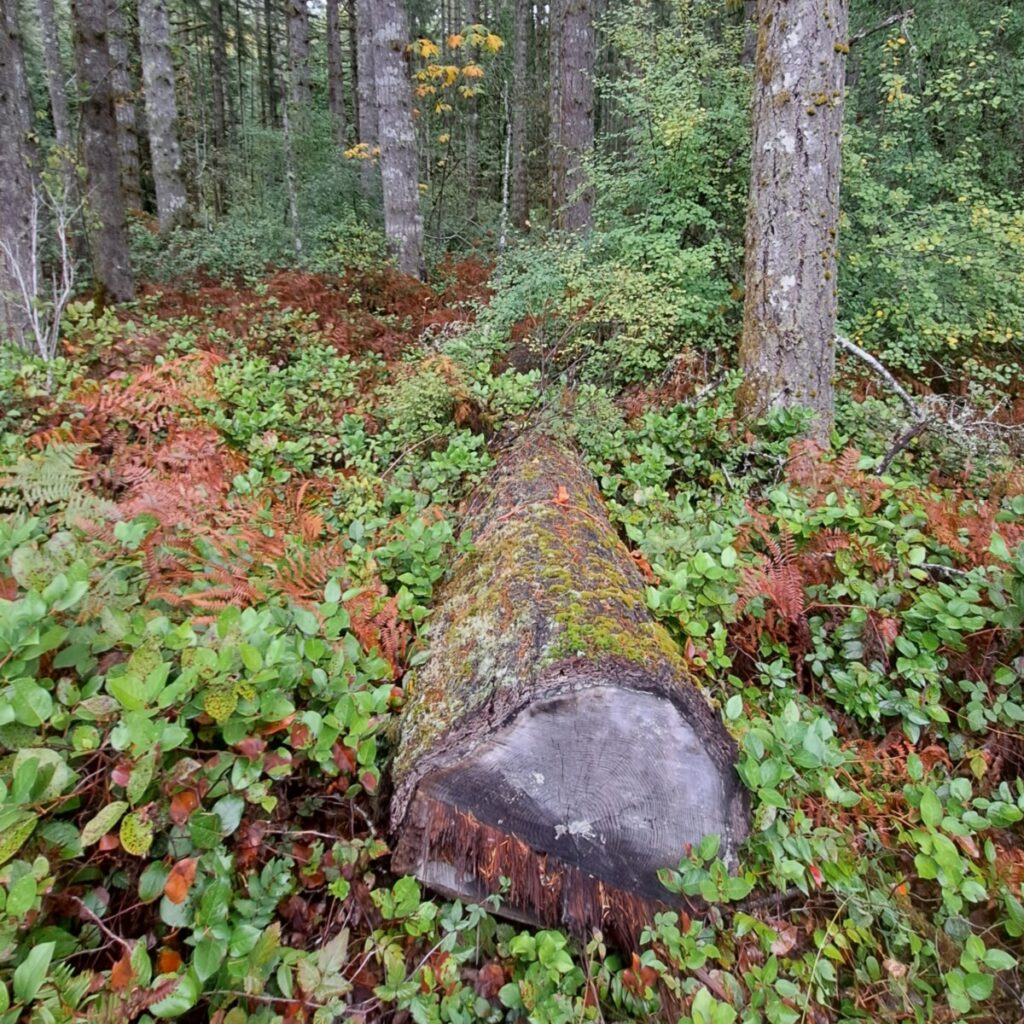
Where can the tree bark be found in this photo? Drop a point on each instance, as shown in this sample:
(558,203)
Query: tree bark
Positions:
(56,85)
(119,43)
(108,234)
(556,163)
(162,115)
(519,204)
(554,737)
(273,91)
(368,116)
(335,75)
(219,72)
(576,95)
(298,57)
(749,33)
(399,159)
(787,352)
(472,15)
(353,63)
(18,172)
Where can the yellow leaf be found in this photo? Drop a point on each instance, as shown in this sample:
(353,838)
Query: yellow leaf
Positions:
(493,43)
(428,48)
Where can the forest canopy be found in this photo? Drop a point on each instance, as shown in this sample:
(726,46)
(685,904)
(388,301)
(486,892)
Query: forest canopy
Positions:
(284,282)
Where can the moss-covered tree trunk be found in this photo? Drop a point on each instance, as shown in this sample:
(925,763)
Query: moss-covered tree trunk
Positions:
(554,736)
(787,352)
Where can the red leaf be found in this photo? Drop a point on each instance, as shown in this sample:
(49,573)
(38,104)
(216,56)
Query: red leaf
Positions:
(121,973)
(182,805)
(180,880)
(168,961)
(251,747)
(489,980)
(815,874)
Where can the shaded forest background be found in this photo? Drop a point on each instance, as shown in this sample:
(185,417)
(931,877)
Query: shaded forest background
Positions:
(281,280)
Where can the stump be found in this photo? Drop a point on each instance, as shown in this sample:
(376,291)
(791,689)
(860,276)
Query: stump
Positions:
(554,737)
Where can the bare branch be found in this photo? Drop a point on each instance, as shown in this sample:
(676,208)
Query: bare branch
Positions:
(893,19)
(868,359)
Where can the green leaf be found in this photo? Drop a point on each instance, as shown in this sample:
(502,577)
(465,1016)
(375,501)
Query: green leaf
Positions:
(101,823)
(31,703)
(734,707)
(931,809)
(306,620)
(152,880)
(999,960)
(229,809)
(21,896)
(141,776)
(32,971)
(208,957)
(979,986)
(181,998)
(14,835)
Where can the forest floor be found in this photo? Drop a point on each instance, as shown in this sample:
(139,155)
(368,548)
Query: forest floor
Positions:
(222,521)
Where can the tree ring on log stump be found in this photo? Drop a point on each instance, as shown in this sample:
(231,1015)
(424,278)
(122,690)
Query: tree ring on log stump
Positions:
(569,776)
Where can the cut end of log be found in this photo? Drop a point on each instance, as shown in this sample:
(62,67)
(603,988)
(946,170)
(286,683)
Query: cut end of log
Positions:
(576,802)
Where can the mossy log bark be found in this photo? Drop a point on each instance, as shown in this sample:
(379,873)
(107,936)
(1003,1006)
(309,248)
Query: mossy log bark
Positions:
(554,736)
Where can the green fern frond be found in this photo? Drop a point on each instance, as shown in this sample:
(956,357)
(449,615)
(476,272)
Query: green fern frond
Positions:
(49,478)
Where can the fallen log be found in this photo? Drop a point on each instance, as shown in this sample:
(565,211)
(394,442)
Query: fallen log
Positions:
(554,738)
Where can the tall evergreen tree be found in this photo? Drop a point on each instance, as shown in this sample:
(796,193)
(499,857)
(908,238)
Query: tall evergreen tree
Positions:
(120,45)
(368,117)
(108,233)
(789,318)
(519,203)
(399,160)
(576,122)
(298,55)
(18,174)
(162,114)
(335,74)
(56,85)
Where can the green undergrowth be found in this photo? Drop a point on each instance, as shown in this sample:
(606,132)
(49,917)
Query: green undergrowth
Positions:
(214,567)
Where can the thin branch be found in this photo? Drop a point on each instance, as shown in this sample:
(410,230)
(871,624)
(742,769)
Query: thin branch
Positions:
(90,915)
(893,19)
(868,359)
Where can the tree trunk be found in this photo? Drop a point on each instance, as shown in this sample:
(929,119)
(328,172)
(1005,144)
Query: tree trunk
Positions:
(108,234)
(119,43)
(576,93)
(368,116)
(554,736)
(335,75)
(399,160)
(519,205)
(56,84)
(298,58)
(273,91)
(472,16)
(353,64)
(787,353)
(162,115)
(218,77)
(749,33)
(556,163)
(18,169)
